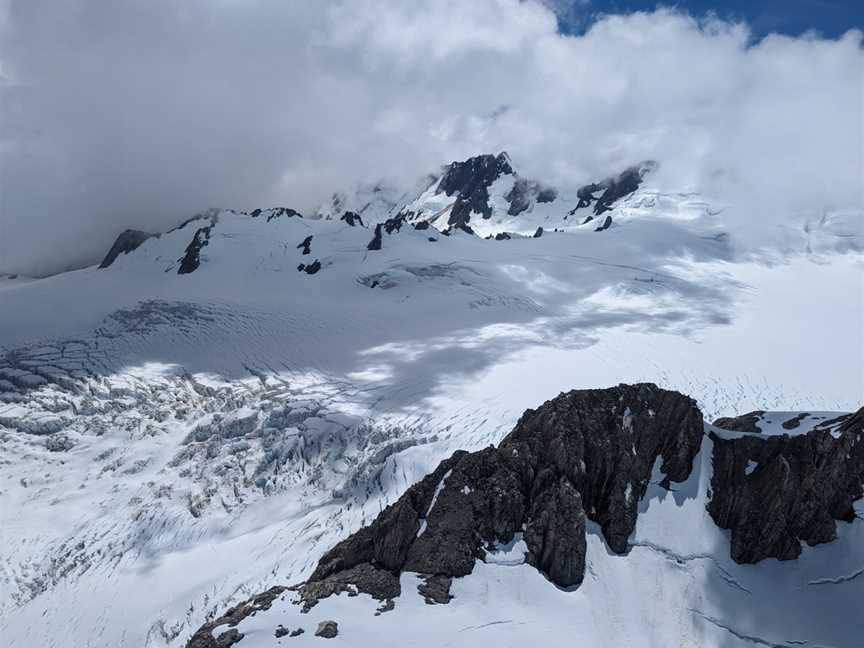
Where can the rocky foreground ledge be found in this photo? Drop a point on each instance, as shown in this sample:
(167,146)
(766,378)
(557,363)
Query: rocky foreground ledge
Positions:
(590,455)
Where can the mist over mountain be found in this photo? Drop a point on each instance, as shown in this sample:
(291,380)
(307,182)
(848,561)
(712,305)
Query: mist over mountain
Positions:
(136,116)
(429,324)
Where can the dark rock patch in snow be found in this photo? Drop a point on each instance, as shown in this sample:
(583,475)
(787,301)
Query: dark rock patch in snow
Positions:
(744,423)
(311,268)
(394,224)
(525,193)
(435,588)
(306,244)
(613,188)
(352,218)
(607,223)
(128,241)
(192,258)
(204,638)
(795,421)
(375,243)
(327,629)
(275,212)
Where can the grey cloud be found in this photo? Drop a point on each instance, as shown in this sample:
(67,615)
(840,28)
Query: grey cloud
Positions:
(129,114)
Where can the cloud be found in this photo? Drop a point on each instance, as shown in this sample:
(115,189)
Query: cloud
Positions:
(130,114)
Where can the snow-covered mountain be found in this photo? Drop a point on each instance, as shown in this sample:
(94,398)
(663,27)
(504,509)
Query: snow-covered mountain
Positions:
(213,408)
(599,501)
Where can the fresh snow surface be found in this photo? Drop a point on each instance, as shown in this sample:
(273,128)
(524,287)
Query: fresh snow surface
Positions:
(172,444)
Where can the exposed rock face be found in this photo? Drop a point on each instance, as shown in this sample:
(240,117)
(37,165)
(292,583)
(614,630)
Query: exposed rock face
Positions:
(192,258)
(375,243)
(327,629)
(471,180)
(613,188)
(276,212)
(775,492)
(743,423)
(306,245)
(607,223)
(525,193)
(589,455)
(204,638)
(352,218)
(585,454)
(310,268)
(125,243)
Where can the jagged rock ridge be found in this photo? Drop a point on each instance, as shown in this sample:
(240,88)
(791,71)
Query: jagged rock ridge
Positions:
(775,492)
(470,181)
(585,455)
(589,455)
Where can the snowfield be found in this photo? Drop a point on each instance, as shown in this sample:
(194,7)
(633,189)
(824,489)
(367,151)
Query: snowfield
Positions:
(174,443)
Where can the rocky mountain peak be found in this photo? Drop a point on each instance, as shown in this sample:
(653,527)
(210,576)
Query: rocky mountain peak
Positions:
(471,180)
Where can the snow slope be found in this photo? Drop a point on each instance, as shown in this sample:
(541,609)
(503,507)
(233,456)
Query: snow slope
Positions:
(172,443)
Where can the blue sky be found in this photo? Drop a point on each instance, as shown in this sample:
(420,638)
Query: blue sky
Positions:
(829,18)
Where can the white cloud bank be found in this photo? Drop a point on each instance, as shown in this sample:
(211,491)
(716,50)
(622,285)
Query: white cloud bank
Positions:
(131,114)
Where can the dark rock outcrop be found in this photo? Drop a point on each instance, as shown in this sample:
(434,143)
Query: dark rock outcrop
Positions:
(546,194)
(327,629)
(774,492)
(375,243)
(589,455)
(306,245)
(128,241)
(310,268)
(395,223)
(613,188)
(607,223)
(435,589)
(521,196)
(586,454)
(748,422)
(192,257)
(352,218)
(470,181)
(204,638)
(525,193)
(538,232)
(276,212)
